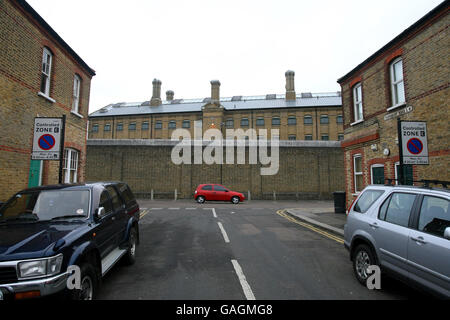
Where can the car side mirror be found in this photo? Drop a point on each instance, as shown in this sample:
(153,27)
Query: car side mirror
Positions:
(99,213)
(447,233)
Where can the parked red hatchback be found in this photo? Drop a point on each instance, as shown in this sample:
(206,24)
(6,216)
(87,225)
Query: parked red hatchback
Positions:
(216,192)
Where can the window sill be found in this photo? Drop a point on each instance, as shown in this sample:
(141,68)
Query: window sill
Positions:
(356,122)
(76,114)
(43,95)
(396,106)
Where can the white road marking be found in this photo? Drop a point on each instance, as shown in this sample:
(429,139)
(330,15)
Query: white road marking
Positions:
(224,233)
(190,208)
(174,208)
(214,213)
(156,208)
(244,284)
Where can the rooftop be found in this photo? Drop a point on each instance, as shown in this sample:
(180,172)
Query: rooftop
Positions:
(270,101)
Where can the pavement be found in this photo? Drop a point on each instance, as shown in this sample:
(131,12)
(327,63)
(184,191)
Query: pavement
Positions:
(322,215)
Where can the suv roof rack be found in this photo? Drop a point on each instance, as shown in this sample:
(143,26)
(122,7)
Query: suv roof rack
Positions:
(426,182)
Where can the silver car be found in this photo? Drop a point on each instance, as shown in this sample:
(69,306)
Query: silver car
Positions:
(405,231)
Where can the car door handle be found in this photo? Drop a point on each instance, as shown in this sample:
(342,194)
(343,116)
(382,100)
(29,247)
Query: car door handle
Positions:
(374,225)
(419,240)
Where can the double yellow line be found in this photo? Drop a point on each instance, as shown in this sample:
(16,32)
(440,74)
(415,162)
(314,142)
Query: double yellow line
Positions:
(282,213)
(143,213)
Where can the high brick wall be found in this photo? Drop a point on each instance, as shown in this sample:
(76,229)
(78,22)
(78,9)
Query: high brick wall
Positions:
(307,170)
(22,40)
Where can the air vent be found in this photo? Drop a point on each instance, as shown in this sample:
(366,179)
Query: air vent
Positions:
(236,98)
(176,101)
(306,95)
(271,96)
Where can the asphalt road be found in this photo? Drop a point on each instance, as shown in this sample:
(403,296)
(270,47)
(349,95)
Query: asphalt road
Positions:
(236,252)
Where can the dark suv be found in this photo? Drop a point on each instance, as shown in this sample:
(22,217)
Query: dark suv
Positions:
(50,235)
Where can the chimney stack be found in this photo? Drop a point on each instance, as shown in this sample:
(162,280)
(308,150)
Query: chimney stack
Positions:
(215,91)
(290,85)
(156,97)
(169,95)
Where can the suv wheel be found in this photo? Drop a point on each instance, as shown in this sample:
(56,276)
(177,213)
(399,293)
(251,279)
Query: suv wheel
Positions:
(201,199)
(235,200)
(130,256)
(88,283)
(362,259)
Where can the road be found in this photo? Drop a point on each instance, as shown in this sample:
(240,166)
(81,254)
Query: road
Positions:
(236,252)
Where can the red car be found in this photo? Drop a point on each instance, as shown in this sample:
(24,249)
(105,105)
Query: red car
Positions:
(216,192)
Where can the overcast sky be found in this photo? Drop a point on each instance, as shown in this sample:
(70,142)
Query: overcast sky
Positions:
(246,44)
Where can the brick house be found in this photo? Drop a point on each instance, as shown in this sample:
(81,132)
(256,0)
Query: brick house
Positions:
(297,116)
(408,78)
(40,76)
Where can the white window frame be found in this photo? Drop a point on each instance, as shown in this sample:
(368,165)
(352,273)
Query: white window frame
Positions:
(396,100)
(76,94)
(355,173)
(376,165)
(358,108)
(71,157)
(46,71)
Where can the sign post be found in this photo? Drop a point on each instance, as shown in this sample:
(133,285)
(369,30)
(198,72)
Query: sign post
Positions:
(48,140)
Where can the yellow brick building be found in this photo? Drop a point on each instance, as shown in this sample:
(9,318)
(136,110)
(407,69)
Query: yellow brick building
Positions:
(304,116)
(40,76)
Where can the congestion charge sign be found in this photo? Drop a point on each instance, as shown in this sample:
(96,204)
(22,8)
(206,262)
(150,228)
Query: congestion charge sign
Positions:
(46,138)
(414,142)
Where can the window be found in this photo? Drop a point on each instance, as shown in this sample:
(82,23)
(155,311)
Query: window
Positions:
(339,119)
(357,173)
(366,200)
(107,127)
(132,126)
(76,93)
(229,123)
(325,137)
(260,122)
(292,121)
(292,137)
(276,121)
(207,188)
(145,125)
(308,137)
(407,174)
(119,126)
(244,122)
(172,124)
(340,137)
(377,171)
(434,215)
(357,103)
(324,119)
(95,128)
(307,119)
(220,188)
(116,201)
(105,202)
(158,125)
(397,85)
(47,58)
(397,208)
(70,169)
(186,124)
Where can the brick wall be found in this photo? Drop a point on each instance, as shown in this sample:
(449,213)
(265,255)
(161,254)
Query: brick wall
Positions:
(313,170)
(23,40)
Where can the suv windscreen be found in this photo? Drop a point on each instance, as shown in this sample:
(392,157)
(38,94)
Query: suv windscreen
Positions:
(47,205)
(366,200)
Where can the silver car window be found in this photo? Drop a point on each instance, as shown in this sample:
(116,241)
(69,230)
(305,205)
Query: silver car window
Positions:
(399,208)
(434,215)
(367,199)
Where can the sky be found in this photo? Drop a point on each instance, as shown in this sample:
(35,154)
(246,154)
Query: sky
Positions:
(245,44)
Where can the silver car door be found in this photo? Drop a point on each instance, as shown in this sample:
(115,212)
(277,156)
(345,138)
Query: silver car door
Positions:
(428,250)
